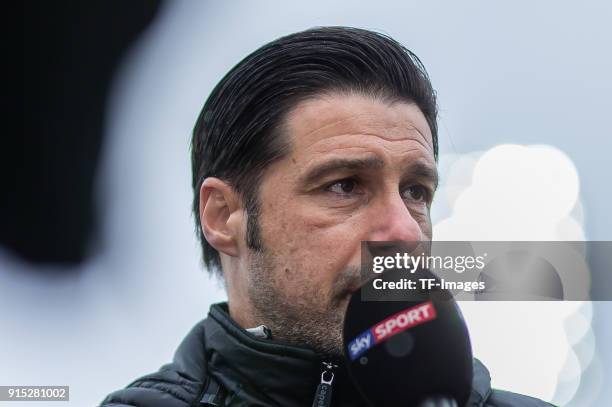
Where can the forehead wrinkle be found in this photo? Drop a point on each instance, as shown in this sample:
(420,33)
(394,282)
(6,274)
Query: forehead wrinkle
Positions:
(354,128)
(330,148)
(383,128)
(320,126)
(405,159)
(423,141)
(330,144)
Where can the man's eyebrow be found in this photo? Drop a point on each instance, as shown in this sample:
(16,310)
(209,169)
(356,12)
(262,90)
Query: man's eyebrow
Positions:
(421,170)
(339,164)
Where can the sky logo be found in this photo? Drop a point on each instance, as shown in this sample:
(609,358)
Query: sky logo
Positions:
(360,344)
(391,326)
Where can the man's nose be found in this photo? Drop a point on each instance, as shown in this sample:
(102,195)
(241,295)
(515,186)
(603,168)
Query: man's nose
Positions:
(392,221)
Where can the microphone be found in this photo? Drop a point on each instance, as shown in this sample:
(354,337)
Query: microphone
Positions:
(414,352)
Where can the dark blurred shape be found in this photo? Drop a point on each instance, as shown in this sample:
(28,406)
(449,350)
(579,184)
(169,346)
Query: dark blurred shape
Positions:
(70,52)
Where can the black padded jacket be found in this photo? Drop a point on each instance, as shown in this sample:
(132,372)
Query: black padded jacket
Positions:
(220,364)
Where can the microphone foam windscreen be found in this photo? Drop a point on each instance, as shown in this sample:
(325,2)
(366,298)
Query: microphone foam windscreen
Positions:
(400,353)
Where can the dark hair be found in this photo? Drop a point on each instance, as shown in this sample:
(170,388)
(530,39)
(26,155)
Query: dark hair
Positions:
(238,131)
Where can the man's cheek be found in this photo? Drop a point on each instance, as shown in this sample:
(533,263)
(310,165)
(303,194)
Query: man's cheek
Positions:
(427,228)
(422,218)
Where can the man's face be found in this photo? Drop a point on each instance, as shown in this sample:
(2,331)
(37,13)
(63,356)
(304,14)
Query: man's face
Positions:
(359,169)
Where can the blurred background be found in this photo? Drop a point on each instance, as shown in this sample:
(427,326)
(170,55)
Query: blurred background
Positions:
(100,270)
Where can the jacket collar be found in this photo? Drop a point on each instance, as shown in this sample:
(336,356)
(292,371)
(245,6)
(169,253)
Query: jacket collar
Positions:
(267,372)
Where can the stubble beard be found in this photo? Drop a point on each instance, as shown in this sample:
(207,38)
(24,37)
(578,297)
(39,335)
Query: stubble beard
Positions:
(310,319)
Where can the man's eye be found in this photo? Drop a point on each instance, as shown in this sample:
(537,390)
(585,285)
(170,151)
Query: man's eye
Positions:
(416,192)
(344,186)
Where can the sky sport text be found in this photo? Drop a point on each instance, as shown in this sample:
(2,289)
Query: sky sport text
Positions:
(391,326)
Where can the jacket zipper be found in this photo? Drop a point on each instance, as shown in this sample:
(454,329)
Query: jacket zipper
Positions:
(323,395)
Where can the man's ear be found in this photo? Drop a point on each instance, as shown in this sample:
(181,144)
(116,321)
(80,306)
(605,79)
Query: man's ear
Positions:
(220,215)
